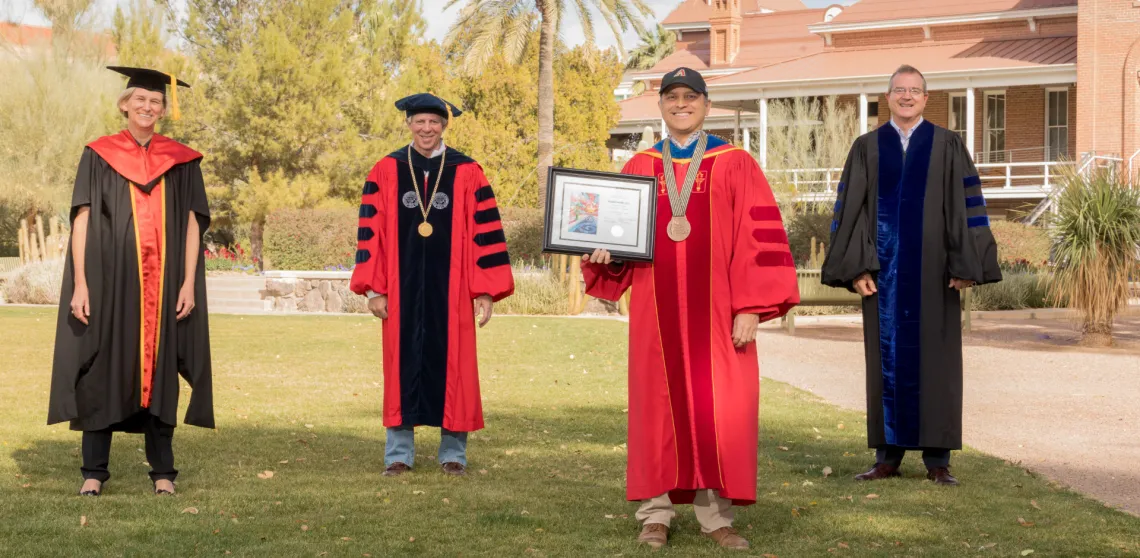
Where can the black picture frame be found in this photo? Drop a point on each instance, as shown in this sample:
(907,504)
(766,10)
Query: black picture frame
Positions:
(646,224)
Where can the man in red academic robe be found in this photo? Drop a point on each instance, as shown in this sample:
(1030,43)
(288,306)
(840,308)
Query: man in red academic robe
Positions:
(722,266)
(431,250)
(132,314)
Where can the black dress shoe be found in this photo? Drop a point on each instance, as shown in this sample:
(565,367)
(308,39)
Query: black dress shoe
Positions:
(942,476)
(878,472)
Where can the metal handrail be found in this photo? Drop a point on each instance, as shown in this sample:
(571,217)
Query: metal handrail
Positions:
(1131,173)
(1008,177)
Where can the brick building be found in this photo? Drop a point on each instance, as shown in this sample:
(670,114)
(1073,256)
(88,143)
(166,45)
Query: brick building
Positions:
(1031,85)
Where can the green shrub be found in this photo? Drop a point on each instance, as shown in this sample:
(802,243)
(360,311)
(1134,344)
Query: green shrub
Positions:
(310,239)
(523,228)
(1021,247)
(35,283)
(537,292)
(802,226)
(1016,291)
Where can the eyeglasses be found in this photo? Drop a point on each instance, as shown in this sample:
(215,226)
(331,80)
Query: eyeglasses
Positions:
(913,91)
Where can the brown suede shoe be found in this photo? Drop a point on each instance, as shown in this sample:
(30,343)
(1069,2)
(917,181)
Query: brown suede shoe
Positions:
(878,472)
(396,469)
(654,534)
(727,537)
(942,476)
(454,469)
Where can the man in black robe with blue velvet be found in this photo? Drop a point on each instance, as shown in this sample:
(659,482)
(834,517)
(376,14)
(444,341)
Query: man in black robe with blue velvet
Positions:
(910,232)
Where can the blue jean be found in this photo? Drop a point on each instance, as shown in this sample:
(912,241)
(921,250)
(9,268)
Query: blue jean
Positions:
(401,447)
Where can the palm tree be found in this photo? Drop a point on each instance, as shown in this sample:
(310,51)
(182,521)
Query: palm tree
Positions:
(506,23)
(1096,237)
(655,45)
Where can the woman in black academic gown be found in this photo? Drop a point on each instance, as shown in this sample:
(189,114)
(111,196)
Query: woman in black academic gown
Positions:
(132,314)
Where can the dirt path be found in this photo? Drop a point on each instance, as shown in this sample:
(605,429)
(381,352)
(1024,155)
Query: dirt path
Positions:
(1032,395)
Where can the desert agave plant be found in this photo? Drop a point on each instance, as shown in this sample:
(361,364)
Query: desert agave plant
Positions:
(1096,250)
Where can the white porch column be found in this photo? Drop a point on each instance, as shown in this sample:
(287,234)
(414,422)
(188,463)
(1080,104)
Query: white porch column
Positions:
(736,129)
(748,139)
(762,137)
(862,113)
(970,122)
(664,130)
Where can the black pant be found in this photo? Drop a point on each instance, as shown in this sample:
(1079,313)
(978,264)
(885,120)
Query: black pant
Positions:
(931,457)
(159,451)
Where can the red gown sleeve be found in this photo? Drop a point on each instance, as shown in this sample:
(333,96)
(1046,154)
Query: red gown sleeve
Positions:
(762,274)
(489,263)
(371,271)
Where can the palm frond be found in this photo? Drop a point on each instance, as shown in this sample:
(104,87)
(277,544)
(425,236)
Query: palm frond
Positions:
(586,19)
(516,35)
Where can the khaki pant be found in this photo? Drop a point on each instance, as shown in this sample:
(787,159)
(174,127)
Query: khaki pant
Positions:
(713,512)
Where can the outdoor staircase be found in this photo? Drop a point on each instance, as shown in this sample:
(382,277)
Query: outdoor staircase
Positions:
(236,294)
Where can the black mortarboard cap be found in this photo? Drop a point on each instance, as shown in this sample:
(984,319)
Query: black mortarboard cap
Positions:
(151,80)
(684,76)
(426,102)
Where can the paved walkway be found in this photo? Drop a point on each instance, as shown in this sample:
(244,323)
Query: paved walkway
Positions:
(1031,395)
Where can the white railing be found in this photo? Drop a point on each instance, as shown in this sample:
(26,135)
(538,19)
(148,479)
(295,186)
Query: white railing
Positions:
(1131,171)
(1088,161)
(824,181)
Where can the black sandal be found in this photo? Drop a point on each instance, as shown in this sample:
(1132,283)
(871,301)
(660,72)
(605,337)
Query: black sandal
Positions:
(162,492)
(91,492)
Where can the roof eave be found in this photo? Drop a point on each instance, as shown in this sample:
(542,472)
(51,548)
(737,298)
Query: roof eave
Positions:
(824,28)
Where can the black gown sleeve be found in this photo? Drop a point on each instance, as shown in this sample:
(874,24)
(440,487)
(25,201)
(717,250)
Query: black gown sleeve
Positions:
(851,251)
(75,342)
(970,245)
(194,360)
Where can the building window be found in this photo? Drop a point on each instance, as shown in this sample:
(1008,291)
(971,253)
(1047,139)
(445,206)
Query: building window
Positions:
(1056,124)
(958,120)
(994,132)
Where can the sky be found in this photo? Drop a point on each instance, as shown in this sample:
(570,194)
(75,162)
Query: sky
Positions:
(25,12)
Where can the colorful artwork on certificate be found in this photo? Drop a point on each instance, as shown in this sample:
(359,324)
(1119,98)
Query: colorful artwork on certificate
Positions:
(583,213)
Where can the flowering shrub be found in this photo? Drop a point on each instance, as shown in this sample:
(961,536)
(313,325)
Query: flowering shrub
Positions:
(1021,247)
(221,258)
(311,239)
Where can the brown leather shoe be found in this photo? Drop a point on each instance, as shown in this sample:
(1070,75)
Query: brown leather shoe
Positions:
(942,476)
(727,537)
(396,469)
(454,469)
(654,534)
(878,472)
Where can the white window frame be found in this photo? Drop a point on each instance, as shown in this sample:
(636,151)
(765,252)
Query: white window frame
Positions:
(950,112)
(986,148)
(1068,120)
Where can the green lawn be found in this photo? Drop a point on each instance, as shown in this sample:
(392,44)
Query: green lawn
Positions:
(300,396)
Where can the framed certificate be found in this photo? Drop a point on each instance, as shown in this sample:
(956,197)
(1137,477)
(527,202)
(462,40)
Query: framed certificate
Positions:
(589,209)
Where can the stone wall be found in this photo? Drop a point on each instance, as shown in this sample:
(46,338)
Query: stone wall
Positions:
(312,291)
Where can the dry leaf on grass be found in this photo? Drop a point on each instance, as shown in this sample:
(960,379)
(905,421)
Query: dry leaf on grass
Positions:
(482,471)
(782,448)
(872,496)
(843,545)
(191,511)
(826,472)
(1021,521)
(283,461)
(1027,552)
(446,500)
(411,539)
(304,527)
(1034,504)
(346,538)
(418,492)
(265,475)
(768,556)
(83,521)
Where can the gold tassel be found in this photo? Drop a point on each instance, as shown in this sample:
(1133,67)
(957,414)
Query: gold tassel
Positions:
(174,112)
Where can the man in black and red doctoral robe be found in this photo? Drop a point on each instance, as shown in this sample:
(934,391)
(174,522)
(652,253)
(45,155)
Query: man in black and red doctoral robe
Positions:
(132,314)
(910,232)
(721,266)
(431,253)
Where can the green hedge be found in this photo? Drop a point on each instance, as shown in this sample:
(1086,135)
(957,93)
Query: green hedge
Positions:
(1016,291)
(310,239)
(523,228)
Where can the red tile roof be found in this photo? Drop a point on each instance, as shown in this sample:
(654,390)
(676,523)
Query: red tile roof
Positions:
(32,36)
(883,10)
(931,58)
(690,11)
(774,5)
(765,39)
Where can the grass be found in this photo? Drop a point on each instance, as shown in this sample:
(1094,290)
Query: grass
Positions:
(300,396)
